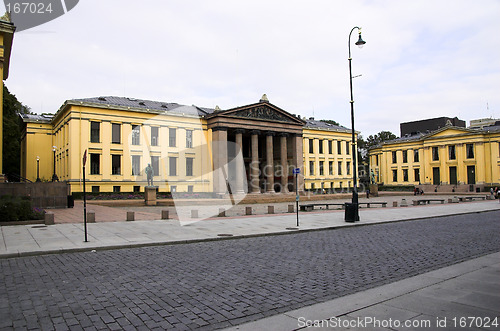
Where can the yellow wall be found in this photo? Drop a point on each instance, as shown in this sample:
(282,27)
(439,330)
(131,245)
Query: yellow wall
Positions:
(486,160)
(36,141)
(344,157)
(72,128)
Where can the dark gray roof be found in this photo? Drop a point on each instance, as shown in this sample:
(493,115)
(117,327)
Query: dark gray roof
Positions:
(36,118)
(146,105)
(314,124)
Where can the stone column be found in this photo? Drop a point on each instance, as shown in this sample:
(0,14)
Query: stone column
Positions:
(254,166)
(219,154)
(269,170)
(240,165)
(298,159)
(284,164)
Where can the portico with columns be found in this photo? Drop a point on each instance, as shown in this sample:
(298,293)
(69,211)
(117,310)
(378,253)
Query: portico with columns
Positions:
(255,148)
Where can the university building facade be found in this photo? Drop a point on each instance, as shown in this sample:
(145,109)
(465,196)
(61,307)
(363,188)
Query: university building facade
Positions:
(450,158)
(247,149)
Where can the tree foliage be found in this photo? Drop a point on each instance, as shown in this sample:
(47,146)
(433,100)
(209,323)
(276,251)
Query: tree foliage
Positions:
(12,132)
(330,122)
(372,141)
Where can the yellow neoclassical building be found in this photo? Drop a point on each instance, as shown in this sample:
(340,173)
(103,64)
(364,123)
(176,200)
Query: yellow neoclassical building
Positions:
(190,148)
(327,156)
(448,159)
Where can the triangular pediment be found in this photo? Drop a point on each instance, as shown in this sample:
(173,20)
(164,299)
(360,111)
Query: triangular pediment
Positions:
(261,111)
(450,131)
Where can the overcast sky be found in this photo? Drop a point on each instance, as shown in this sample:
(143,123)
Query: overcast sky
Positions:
(422,59)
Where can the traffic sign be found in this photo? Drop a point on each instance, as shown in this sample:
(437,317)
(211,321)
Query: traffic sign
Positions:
(296,171)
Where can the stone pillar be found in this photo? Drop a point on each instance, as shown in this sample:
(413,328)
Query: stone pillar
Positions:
(240,165)
(298,160)
(269,170)
(254,166)
(284,164)
(219,154)
(150,195)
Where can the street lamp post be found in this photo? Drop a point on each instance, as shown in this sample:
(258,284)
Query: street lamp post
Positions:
(54,176)
(38,169)
(352,210)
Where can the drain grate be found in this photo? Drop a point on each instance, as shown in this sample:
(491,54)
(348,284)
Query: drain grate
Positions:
(39,226)
(224,235)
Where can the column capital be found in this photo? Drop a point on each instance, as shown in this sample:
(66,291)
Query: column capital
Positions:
(255,132)
(283,134)
(219,128)
(270,133)
(241,131)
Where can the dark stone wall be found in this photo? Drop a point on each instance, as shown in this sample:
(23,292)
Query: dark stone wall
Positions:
(43,195)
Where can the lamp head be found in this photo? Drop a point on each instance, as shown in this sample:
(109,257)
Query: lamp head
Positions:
(360,41)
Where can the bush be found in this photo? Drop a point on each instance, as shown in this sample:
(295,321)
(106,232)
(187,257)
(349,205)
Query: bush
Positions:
(14,209)
(396,188)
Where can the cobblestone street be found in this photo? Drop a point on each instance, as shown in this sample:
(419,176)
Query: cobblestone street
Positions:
(210,285)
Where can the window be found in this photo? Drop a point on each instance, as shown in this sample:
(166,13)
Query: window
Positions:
(376,159)
(155,164)
(451,152)
(405,156)
(95,166)
(321,147)
(330,147)
(394,157)
(311,168)
(330,167)
(137,189)
(136,135)
(321,168)
(405,175)
(116,189)
(347,149)
(470,151)
(415,156)
(116,133)
(172,137)
(190,188)
(311,146)
(189,138)
(416,174)
(348,167)
(339,147)
(154,136)
(394,175)
(172,166)
(115,164)
(189,166)
(339,168)
(136,165)
(435,153)
(95,129)
(95,189)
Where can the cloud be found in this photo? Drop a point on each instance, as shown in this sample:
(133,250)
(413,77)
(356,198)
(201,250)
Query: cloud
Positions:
(422,59)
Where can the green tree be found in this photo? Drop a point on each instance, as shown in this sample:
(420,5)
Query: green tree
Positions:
(12,133)
(330,122)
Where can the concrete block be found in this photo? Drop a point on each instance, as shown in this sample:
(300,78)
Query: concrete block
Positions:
(291,209)
(164,215)
(394,203)
(90,217)
(270,209)
(222,212)
(130,216)
(404,203)
(248,210)
(194,213)
(49,218)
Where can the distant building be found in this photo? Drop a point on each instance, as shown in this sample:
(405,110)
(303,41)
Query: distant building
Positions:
(448,159)
(428,125)
(482,122)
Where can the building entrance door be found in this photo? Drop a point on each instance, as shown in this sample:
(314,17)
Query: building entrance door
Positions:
(471,175)
(436,179)
(453,175)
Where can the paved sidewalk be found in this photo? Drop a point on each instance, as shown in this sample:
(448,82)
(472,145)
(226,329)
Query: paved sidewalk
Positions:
(459,297)
(22,240)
